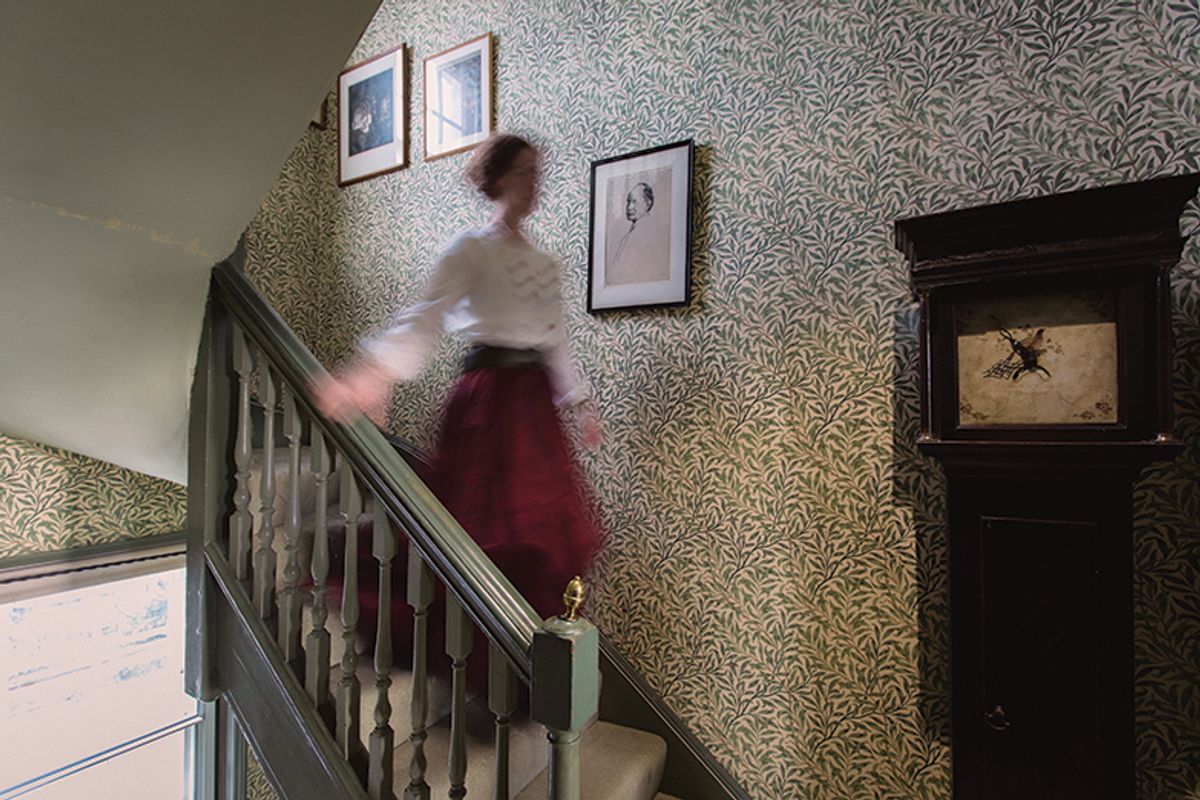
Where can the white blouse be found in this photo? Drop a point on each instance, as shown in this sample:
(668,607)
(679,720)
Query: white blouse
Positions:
(491,289)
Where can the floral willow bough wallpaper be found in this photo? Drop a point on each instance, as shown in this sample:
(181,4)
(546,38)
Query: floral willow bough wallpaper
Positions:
(775,561)
(53,499)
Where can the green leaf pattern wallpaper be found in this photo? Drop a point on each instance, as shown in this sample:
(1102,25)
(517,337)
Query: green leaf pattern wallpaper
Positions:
(52,499)
(775,561)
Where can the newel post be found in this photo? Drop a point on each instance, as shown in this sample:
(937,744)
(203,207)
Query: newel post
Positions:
(565,689)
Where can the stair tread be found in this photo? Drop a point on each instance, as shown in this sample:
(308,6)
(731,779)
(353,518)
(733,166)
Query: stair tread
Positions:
(399,697)
(615,763)
(528,751)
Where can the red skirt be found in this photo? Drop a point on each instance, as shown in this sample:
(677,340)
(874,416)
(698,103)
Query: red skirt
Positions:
(502,466)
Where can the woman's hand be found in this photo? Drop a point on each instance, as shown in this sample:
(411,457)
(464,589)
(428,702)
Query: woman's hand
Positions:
(361,389)
(592,432)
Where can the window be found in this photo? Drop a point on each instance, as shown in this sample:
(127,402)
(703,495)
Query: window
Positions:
(92,664)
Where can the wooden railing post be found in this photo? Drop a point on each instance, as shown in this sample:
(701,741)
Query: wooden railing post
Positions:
(209,434)
(379,770)
(460,640)
(502,700)
(565,688)
(241,522)
(420,596)
(264,553)
(290,599)
(317,645)
(347,732)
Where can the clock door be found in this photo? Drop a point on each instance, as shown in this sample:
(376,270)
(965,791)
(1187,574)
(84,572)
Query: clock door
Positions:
(1039,608)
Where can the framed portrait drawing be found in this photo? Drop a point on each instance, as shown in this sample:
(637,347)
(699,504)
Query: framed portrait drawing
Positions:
(372,117)
(458,98)
(640,247)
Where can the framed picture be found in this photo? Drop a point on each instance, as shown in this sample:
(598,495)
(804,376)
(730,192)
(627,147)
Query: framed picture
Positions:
(640,248)
(458,98)
(372,117)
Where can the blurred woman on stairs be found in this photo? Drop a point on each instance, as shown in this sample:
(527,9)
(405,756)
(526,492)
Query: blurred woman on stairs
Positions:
(502,464)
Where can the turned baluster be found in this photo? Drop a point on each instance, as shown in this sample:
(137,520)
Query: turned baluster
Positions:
(347,733)
(241,521)
(502,700)
(264,555)
(460,639)
(289,596)
(317,644)
(379,773)
(420,596)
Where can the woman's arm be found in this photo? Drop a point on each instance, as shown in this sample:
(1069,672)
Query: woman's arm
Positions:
(399,352)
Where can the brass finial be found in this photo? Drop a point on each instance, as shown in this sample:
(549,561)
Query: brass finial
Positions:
(573,598)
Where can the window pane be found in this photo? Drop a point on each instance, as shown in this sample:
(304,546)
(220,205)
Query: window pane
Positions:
(90,668)
(153,772)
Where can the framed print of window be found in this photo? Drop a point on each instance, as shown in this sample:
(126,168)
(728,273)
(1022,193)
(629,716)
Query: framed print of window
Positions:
(458,98)
(640,249)
(373,117)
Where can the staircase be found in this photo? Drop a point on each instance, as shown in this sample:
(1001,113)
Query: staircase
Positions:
(293,520)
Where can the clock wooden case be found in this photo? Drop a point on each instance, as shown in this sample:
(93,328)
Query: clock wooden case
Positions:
(1045,377)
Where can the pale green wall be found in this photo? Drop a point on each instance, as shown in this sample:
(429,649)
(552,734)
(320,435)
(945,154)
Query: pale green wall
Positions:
(776,554)
(52,499)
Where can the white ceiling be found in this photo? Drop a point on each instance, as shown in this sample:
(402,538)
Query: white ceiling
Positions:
(136,142)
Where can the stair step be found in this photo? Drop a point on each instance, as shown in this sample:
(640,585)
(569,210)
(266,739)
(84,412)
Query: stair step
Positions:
(399,697)
(615,763)
(528,751)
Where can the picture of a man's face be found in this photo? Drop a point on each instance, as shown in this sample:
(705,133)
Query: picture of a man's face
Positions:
(361,119)
(371,113)
(638,202)
(638,246)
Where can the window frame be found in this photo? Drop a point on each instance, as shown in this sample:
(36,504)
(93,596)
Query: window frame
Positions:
(43,574)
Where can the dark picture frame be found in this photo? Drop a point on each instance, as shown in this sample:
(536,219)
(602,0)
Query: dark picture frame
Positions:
(640,229)
(459,97)
(373,117)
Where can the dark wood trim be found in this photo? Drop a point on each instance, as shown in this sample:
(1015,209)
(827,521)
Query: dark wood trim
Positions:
(210,427)
(1105,214)
(109,554)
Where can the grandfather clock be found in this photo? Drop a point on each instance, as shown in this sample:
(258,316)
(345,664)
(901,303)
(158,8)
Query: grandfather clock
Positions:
(1046,375)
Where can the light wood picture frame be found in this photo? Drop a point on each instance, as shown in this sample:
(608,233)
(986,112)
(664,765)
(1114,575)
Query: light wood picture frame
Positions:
(458,98)
(373,117)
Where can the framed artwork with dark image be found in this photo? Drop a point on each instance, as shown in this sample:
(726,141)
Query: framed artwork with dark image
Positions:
(372,117)
(458,98)
(640,249)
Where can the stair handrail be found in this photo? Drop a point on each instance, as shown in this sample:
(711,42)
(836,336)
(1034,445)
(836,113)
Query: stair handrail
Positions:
(491,600)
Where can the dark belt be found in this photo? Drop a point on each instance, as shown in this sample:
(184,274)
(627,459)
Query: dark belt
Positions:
(486,356)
